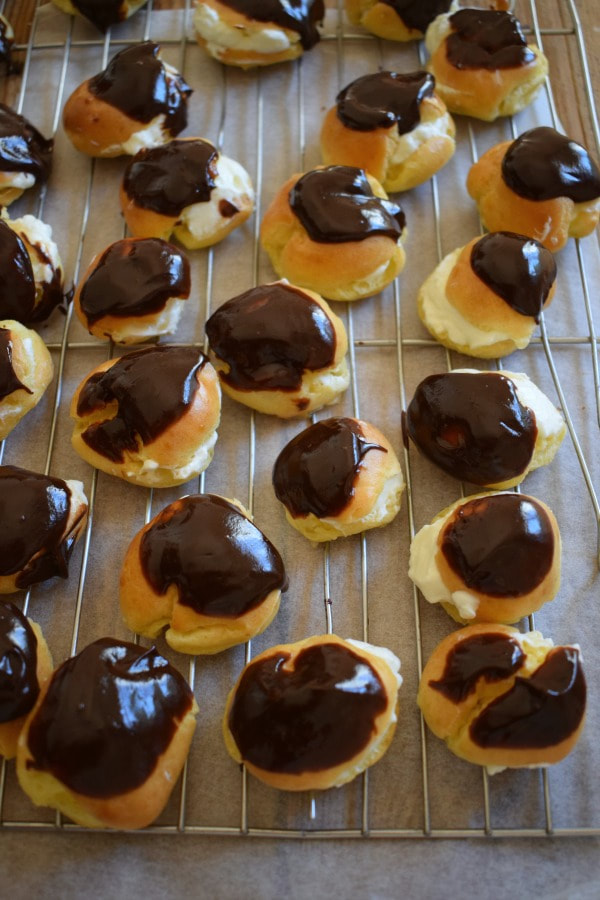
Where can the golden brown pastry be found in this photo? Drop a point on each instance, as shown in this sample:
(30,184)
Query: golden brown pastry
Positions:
(108,736)
(489,558)
(486,298)
(25,155)
(280,349)
(149,417)
(314,714)
(203,570)
(31,274)
(338,477)
(101,13)
(502,699)
(396,20)
(334,230)
(26,370)
(543,184)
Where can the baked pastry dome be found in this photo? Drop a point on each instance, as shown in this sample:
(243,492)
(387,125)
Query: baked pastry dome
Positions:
(25,155)
(396,20)
(26,370)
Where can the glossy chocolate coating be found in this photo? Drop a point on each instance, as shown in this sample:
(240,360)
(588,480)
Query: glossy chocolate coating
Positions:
(102,13)
(316,472)
(269,336)
(516,268)
(135,82)
(19,686)
(384,99)
(300,16)
(537,712)
(491,657)
(8,377)
(502,545)
(110,712)
(486,39)
(418,14)
(134,277)
(34,511)
(17,283)
(543,164)
(221,563)
(319,715)
(22,147)
(153,387)
(336,204)
(167,179)
(473,426)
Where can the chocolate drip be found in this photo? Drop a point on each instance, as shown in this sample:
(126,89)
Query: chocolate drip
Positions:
(502,545)
(486,39)
(541,711)
(136,82)
(102,13)
(316,472)
(22,147)
(269,336)
(34,511)
(418,14)
(167,179)
(543,164)
(300,16)
(110,712)
(8,377)
(153,388)
(17,283)
(384,99)
(516,268)
(19,686)
(316,716)
(220,562)
(473,426)
(491,657)
(336,204)
(134,277)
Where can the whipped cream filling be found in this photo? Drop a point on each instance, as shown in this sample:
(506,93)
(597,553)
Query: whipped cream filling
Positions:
(220,36)
(232,183)
(406,144)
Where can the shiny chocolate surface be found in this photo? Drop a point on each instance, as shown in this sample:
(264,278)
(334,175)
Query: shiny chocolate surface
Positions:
(489,657)
(418,14)
(8,377)
(17,283)
(22,147)
(19,687)
(384,99)
(301,16)
(542,164)
(486,39)
(102,13)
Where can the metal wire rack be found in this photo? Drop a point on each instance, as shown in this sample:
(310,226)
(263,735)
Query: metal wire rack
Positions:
(269,120)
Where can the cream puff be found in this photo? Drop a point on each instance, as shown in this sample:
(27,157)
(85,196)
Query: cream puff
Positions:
(101,13)
(25,155)
(26,370)
(396,20)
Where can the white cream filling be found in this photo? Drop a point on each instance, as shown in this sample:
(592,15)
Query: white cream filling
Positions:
(37,233)
(407,144)
(196,464)
(220,36)
(232,182)
(383,653)
(383,510)
(20,180)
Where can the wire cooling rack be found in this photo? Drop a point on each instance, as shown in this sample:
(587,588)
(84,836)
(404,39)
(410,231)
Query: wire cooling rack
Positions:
(269,120)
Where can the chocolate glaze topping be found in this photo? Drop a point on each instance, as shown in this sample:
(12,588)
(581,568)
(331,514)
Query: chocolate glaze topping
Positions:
(316,472)
(472,425)
(102,13)
(22,147)
(541,711)
(543,164)
(269,336)
(384,99)
(318,715)
(486,39)
(135,277)
(6,45)
(502,545)
(336,204)
(418,14)
(517,268)
(17,283)
(153,387)
(492,657)
(220,562)
(19,687)
(136,82)
(34,510)
(167,179)
(108,715)
(8,377)
(300,16)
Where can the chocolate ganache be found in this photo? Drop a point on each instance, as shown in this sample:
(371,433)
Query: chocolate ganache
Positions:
(517,268)
(134,277)
(22,147)
(542,164)
(136,82)
(153,387)
(540,711)
(383,99)
(269,336)
(319,714)
(336,204)
(102,13)
(300,16)
(8,377)
(501,545)
(220,562)
(110,712)
(316,472)
(34,511)
(472,425)
(418,14)
(167,179)
(491,657)
(19,687)
(17,282)
(486,39)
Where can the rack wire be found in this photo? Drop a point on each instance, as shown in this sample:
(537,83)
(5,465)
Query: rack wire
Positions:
(369,571)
